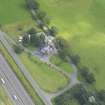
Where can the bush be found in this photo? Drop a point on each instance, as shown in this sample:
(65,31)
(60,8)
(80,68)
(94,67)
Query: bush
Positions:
(101,95)
(62,47)
(87,75)
(80,93)
(25,40)
(32,4)
(41,14)
(53,31)
(32,31)
(75,59)
(18,49)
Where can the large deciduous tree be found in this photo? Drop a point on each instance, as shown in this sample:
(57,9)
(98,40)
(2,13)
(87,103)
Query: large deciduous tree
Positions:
(62,47)
(32,4)
(87,75)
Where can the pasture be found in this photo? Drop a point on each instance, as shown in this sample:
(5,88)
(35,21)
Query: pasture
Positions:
(82,23)
(12,11)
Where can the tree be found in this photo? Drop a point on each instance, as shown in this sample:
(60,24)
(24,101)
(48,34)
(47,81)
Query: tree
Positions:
(42,18)
(31,31)
(25,40)
(42,39)
(46,20)
(37,40)
(40,24)
(75,59)
(62,47)
(34,40)
(18,49)
(41,14)
(32,37)
(101,95)
(80,93)
(53,31)
(87,75)
(32,4)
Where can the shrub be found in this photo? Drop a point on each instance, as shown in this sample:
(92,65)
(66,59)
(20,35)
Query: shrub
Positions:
(18,49)
(75,59)
(87,75)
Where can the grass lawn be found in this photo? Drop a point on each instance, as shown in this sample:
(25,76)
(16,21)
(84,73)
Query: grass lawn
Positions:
(21,77)
(4,100)
(12,11)
(82,23)
(62,64)
(15,18)
(13,29)
(48,79)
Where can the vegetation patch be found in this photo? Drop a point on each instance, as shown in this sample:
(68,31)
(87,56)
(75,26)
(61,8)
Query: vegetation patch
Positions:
(13,11)
(48,78)
(14,30)
(4,98)
(81,94)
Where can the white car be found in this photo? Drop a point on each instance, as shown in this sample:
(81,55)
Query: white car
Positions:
(15,97)
(2,80)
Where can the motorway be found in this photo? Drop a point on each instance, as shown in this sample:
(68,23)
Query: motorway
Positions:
(45,97)
(12,85)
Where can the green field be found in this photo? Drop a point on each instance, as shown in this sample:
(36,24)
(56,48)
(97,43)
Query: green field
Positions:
(12,11)
(14,16)
(82,23)
(48,78)
(4,100)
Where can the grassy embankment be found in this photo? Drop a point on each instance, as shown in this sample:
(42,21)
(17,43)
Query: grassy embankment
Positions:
(4,100)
